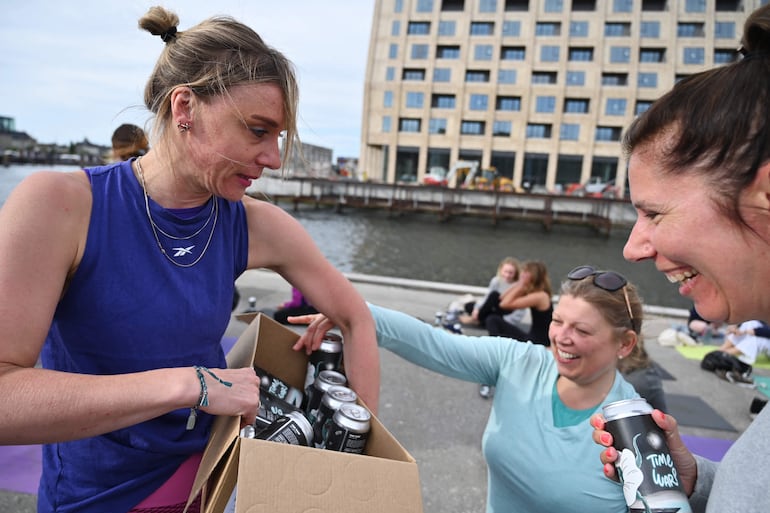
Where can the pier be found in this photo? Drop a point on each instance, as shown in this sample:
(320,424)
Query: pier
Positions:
(600,214)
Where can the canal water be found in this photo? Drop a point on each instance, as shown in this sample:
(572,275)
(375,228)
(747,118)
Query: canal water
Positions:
(462,250)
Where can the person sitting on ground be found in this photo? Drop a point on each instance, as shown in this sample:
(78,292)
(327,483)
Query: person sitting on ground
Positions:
(702,330)
(478,311)
(533,291)
(128,141)
(544,397)
(297,305)
(747,341)
(638,369)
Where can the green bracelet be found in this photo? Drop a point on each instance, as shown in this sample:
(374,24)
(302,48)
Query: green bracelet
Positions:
(203,398)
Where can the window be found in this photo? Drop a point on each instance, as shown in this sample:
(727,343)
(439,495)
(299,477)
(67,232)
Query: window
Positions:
(512,53)
(614,79)
(482,28)
(648,80)
(724,30)
(488,6)
(398,6)
(544,77)
(576,105)
(506,76)
(545,104)
(641,106)
(390,73)
(502,128)
(443,101)
(508,103)
(420,51)
(722,56)
(538,131)
(549,53)
(478,102)
(689,30)
(615,107)
(452,5)
(424,5)
(581,54)
(578,29)
(617,29)
(413,74)
(472,127)
(553,6)
(437,126)
(442,75)
(393,51)
(650,29)
(512,28)
(543,28)
(387,99)
(695,6)
(447,52)
(409,125)
(476,75)
(622,5)
(569,132)
(446,28)
(694,55)
(652,55)
(414,100)
(418,28)
(483,52)
(608,133)
(576,78)
(395,28)
(386,122)
(620,54)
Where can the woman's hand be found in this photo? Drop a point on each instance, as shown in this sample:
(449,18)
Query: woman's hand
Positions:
(683,458)
(239,399)
(317,326)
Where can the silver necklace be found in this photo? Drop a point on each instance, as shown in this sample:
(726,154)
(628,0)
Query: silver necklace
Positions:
(155,228)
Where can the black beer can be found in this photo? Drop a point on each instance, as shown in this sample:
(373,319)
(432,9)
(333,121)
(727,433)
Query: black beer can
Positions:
(650,480)
(349,429)
(292,428)
(328,356)
(270,408)
(331,401)
(325,380)
(279,388)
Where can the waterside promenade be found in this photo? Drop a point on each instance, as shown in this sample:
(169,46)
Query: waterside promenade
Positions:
(440,420)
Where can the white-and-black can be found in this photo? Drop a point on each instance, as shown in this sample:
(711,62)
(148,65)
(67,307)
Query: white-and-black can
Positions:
(292,428)
(349,429)
(651,482)
(331,401)
(328,356)
(279,388)
(270,408)
(314,394)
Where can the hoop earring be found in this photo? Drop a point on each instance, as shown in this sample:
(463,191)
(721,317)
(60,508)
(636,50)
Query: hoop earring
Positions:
(183,127)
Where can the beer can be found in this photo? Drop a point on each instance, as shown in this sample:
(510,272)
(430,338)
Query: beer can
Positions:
(650,480)
(331,401)
(292,428)
(279,388)
(349,429)
(325,380)
(270,408)
(328,356)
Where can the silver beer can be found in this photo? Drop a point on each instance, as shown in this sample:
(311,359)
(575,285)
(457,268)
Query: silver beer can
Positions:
(325,380)
(349,429)
(328,356)
(650,480)
(292,428)
(331,401)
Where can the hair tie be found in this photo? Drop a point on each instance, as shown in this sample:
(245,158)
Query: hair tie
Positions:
(752,55)
(168,35)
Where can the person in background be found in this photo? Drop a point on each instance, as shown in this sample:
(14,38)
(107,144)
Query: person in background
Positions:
(478,311)
(120,278)
(700,157)
(704,331)
(747,341)
(297,305)
(544,395)
(533,291)
(639,370)
(128,141)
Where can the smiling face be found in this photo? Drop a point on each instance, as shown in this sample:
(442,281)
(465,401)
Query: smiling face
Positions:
(508,272)
(584,344)
(716,262)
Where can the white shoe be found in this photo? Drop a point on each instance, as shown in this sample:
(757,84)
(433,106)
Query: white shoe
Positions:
(485,391)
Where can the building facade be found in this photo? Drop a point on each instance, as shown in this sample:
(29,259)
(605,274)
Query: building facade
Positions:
(539,90)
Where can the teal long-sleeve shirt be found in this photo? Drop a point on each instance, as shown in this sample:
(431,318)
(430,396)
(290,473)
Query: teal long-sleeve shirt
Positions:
(532,465)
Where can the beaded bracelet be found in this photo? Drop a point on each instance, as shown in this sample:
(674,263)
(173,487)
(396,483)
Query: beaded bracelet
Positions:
(203,398)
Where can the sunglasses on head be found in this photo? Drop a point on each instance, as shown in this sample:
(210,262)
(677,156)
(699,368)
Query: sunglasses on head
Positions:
(605,280)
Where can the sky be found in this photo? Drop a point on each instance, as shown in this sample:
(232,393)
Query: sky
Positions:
(76,69)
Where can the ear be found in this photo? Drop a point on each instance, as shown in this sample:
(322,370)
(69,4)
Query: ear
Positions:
(182,105)
(627,343)
(758,193)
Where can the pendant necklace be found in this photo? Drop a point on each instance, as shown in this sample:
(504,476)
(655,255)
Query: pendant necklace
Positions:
(155,228)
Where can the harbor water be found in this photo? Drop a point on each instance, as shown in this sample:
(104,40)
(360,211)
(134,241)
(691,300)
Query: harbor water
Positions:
(463,250)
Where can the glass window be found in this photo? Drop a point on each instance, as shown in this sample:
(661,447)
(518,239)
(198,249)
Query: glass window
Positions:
(482,28)
(724,30)
(437,126)
(448,52)
(443,101)
(414,100)
(576,105)
(694,55)
(502,128)
(547,28)
(553,6)
(414,74)
(576,78)
(488,6)
(446,28)
(615,107)
(607,133)
(622,5)
(390,73)
(538,131)
(420,51)
(549,53)
(508,103)
(512,53)
(386,122)
(393,51)
(418,28)
(614,79)
(652,55)
(478,102)
(617,29)
(581,54)
(483,52)
(648,80)
(472,127)
(387,99)
(695,6)
(724,56)
(569,132)
(395,28)
(506,76)
(398,6)
(578,29)
(620,54)
(689,30)
(408,125)
(472,75)
(512,28)
(650,29)
(545,104)
(544,77)
(424,5)
(641,106)
(442,75)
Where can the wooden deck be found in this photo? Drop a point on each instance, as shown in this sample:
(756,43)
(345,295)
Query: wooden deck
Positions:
(601,214)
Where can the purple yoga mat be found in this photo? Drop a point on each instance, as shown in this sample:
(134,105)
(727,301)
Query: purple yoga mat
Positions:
(711,448)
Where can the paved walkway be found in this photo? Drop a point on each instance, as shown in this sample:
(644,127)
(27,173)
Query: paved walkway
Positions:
(440,420)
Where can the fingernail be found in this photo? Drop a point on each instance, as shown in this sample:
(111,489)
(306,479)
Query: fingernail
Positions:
(606,438)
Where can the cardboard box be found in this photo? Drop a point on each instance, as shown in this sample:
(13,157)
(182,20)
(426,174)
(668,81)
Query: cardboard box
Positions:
(278,478)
